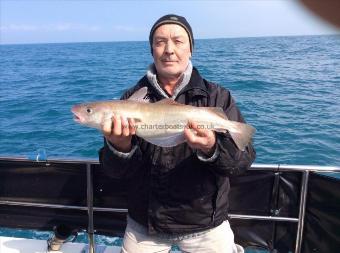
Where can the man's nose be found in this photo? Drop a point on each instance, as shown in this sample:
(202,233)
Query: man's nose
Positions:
(169,48)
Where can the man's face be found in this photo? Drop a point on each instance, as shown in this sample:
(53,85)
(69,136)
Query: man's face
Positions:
(171,50)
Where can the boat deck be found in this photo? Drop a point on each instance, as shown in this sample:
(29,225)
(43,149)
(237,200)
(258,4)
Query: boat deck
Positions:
(23,245)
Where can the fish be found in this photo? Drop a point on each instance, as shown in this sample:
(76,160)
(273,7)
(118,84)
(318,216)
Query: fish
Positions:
(162,123)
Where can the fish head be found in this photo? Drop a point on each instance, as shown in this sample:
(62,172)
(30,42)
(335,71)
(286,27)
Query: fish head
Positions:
(91,114)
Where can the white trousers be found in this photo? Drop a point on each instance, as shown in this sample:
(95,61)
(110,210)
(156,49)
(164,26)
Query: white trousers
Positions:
(216,240)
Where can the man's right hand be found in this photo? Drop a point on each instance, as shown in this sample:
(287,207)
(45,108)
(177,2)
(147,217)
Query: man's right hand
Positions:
(119,131)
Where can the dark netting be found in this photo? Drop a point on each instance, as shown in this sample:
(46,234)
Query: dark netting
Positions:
(322,221)
(266,194)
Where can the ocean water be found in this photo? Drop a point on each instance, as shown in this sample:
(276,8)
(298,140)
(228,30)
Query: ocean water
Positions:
(288,88)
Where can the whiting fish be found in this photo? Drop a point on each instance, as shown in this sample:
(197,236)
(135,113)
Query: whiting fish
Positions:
(162,123)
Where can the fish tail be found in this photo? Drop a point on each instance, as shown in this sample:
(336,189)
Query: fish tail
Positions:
(241,134)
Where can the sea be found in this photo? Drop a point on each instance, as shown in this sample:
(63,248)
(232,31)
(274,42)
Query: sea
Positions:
(288,88)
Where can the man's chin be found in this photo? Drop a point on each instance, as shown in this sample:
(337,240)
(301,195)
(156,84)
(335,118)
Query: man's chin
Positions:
(170,74)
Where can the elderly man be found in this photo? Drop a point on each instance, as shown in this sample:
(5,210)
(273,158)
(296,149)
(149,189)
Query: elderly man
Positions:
(177,195)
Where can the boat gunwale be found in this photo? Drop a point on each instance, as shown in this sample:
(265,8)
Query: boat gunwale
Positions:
(254,166)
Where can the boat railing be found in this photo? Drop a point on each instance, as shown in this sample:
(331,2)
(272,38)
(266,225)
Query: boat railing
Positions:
(304,169)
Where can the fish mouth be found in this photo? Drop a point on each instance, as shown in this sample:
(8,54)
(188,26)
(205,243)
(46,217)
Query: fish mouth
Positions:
(76,117)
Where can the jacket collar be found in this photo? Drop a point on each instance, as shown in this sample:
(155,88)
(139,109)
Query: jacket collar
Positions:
(195,87)
(151,74)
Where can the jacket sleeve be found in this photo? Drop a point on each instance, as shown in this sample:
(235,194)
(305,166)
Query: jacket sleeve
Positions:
(117,164)
(230,160)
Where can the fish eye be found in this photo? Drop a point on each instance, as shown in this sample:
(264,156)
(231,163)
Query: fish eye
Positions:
(89,110)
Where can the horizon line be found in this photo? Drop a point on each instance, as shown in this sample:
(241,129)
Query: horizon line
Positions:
(120,41)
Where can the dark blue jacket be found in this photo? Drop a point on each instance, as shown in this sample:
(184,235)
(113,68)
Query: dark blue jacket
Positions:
(170,189)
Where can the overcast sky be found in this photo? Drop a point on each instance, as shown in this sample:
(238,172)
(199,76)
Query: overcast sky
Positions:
(27,21)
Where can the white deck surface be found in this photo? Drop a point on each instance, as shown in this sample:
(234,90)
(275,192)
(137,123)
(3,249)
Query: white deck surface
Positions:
(21,245)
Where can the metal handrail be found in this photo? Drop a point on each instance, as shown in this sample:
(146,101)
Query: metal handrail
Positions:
(294,168)
(255,166)
(305,169)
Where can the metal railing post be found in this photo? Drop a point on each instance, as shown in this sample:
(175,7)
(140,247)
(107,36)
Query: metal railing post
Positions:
(302,211)
(90,229)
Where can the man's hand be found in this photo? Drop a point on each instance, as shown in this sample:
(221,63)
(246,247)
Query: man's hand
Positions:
(119,132)
(202,139)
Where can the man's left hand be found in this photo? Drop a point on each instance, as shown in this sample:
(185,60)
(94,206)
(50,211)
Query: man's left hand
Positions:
(198,138)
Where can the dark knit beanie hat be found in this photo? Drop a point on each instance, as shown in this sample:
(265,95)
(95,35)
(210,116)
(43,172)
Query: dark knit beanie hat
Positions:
(173,19)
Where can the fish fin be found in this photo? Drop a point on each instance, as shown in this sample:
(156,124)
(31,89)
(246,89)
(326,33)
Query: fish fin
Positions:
(140,95)
(168,101)
(167,141)
(218,111)
(220,130)
(243,135)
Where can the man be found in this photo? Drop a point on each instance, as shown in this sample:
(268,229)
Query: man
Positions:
(177,195)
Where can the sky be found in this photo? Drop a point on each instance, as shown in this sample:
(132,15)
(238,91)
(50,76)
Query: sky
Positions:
(55,21)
